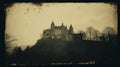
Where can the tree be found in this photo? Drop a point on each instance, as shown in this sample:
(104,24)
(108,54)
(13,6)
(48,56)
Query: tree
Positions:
(92,34)
(9,41)
(89,33)
(109,32)
(97,35)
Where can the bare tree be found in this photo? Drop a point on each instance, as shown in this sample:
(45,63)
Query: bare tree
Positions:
(92,34)
(89,33)
(96,35)
(109,32)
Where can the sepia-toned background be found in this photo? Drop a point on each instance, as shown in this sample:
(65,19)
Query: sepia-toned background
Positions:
(26,21)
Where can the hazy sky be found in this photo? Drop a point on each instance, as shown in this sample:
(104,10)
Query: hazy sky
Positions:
(26,21)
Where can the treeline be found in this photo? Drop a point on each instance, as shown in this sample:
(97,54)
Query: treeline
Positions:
(107,34)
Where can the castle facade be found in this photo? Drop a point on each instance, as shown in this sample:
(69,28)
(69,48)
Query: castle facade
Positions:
(58,32)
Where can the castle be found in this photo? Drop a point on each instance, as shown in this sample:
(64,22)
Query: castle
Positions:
(58,32)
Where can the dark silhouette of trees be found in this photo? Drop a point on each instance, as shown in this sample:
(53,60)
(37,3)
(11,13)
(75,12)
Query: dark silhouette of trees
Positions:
(109,33)
(89,33)
(102,37)
(92,34)
(9,41)
(27,48)
(96,35)
(17,50)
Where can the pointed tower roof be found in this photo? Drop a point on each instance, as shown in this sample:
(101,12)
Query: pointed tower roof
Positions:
(52,23)
(70,29)
(62,24)
(71,26)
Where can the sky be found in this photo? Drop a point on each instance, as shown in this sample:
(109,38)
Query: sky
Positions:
(26,21)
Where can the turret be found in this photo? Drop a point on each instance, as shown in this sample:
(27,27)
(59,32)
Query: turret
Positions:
(62,24)
(52,25)
(70,29)
(66,27)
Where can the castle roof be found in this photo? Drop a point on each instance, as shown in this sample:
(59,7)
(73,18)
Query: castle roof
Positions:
(57,27)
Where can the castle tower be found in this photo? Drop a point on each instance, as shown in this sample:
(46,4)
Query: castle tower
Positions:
(52,25)
(66,27)
(70,29)
(62,24)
